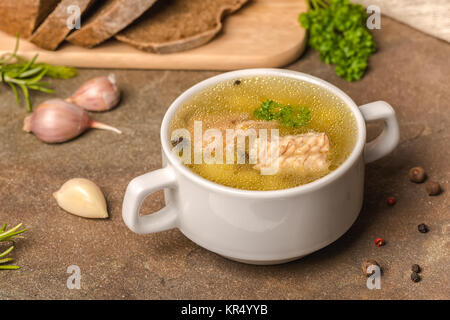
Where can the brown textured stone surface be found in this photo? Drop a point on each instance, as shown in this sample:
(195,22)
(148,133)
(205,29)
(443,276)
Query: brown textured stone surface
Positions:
(410,71)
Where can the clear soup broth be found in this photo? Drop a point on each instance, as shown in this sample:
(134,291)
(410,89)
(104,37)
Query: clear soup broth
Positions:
(234,101)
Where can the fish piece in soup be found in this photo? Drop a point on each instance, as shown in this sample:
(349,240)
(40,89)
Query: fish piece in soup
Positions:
(301,154)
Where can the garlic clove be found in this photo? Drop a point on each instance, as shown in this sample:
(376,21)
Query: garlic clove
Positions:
(98,94)
(56,121)
(83,198)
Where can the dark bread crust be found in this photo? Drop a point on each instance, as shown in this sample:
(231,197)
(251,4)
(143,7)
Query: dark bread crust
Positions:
(111,17)
(178,25)
(54,30)
(23,16)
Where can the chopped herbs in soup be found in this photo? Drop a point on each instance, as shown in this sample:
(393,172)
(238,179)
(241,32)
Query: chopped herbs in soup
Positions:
(263,133)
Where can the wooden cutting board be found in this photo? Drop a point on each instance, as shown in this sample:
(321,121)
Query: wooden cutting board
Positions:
(264,33)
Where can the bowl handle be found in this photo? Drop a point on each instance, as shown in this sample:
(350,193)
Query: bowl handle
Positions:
(138,189)
(389,138)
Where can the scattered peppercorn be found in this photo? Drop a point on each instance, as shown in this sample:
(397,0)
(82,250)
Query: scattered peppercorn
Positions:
(417,175)
(379,242)
(433,188)
(237,82)
(415,268)
(415,277)
(391,201)
(366,264)
(423,228)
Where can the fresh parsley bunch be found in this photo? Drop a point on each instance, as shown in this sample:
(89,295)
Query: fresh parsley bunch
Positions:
(289,116)
(337,30)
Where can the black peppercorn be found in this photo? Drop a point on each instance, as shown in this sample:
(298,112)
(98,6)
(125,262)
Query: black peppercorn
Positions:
(417,174)
(237,82)
(415,277)
(176,142)
(415,268)
(433,188)
(423,228)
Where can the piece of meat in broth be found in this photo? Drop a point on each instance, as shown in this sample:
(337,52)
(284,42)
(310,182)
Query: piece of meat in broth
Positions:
(305,153)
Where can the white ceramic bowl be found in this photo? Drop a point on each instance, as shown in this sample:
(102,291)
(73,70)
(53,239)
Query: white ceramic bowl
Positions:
(260,227)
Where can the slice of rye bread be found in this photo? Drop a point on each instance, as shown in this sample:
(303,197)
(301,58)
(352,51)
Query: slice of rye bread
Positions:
(108,19)
(54,29)
(177,25)
(23,16)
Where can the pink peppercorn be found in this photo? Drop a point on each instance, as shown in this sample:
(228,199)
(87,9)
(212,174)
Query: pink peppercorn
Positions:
(391,201)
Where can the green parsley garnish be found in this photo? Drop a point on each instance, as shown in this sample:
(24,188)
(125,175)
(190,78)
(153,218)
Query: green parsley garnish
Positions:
(337,29)
(287,115)
(26,75)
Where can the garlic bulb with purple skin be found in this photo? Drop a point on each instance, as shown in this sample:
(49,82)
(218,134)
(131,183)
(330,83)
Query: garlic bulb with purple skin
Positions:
(57,121)
(98,94)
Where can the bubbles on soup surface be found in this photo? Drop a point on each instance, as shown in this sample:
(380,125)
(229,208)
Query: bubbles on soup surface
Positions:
(231,102)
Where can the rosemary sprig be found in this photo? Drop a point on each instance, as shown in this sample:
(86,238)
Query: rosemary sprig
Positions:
(9,235)
(18,72)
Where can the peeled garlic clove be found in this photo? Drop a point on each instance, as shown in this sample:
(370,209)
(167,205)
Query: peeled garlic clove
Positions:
(57,121)
(83,198)
(98,94)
